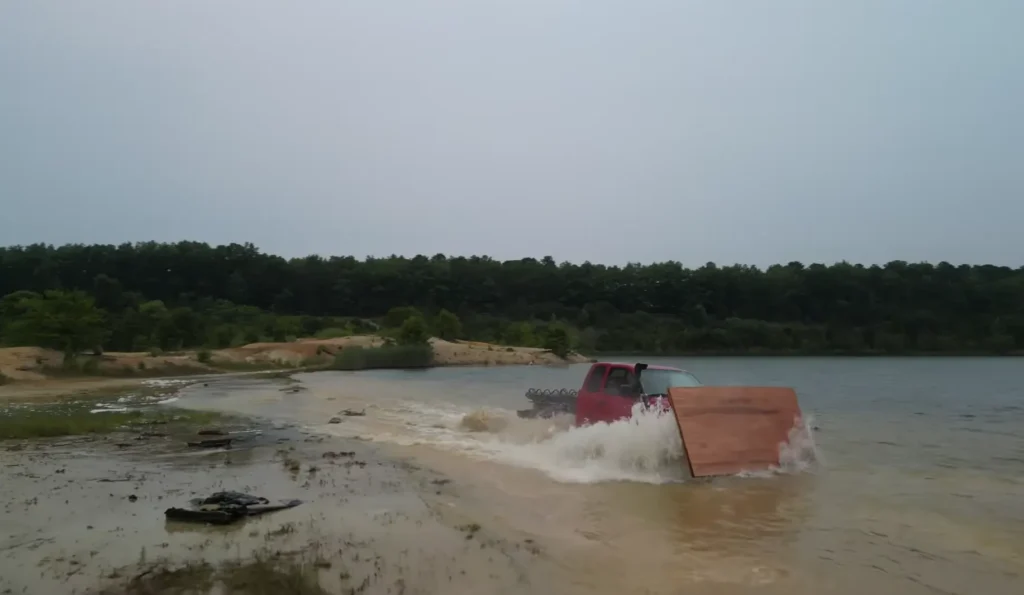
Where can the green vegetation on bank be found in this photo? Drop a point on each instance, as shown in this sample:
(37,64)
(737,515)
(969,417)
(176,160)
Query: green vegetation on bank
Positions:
(139,297)
(52,421)
(388,356)
(90,366)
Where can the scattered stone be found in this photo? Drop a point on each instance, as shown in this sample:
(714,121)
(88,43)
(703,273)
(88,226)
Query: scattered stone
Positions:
(353,413)
(133,498)
(335,420)
(211,432)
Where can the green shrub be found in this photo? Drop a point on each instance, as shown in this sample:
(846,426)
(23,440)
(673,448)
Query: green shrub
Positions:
(413,332)
(388,356)
(557,341)
(397,316)
(204,356)
(447,325)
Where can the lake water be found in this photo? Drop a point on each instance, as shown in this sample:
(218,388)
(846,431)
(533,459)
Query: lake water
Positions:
(918,485)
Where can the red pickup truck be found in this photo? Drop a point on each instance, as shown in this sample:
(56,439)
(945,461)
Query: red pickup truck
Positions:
(611,389)
(724,429)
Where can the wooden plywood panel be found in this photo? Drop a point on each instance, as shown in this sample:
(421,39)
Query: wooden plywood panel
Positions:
(729,429)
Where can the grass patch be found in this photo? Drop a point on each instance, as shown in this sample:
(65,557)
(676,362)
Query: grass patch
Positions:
(93,367)
(76,420)
(192,578)
(269,576)
(266,574)
(387,356)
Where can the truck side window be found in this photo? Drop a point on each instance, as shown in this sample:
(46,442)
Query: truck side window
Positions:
(593,383)
(618,382)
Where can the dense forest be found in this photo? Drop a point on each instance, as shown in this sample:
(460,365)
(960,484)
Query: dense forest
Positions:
(151,295)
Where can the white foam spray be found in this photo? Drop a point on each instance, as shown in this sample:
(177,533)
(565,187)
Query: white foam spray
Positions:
(645,448)
(800,453)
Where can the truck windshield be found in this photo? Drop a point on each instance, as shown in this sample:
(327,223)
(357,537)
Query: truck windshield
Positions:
(657,382)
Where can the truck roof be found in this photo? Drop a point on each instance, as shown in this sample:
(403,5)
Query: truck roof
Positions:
(633,365)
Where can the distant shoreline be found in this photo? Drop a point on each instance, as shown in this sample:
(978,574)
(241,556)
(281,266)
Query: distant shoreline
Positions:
(820,354)
(28,371)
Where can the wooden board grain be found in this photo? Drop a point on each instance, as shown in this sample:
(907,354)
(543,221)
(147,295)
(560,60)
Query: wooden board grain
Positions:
(730,429)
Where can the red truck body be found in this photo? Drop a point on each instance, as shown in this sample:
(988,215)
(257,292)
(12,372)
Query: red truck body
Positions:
(724,429)
(611,389)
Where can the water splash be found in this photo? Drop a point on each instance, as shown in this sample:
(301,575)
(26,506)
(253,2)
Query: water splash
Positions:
(645,448)
(800,453)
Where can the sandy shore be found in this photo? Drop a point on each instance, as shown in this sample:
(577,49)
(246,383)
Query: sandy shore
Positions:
(25,371)
(86,515)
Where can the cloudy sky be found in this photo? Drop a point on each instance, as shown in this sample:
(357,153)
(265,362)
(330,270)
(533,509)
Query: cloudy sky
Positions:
(610,131)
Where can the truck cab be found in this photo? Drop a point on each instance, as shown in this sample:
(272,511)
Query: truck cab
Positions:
(611,389)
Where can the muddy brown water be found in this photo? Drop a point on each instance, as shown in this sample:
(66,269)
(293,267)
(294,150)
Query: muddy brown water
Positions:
(917,485)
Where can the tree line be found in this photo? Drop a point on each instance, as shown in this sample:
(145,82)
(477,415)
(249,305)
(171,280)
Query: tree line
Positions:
(188,294)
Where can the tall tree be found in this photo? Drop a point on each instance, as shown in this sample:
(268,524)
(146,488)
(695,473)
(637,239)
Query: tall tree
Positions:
(64,320)
(235,292)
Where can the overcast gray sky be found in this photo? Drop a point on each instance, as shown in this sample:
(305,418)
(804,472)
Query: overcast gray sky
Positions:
(610,131)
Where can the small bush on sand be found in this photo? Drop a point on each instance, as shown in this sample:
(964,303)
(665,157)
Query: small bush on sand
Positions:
(414,331)
(558,341)
(389,356)
(447,325)
(204,356)
(4,379)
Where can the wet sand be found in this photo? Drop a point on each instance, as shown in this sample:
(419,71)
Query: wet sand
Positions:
(82,515)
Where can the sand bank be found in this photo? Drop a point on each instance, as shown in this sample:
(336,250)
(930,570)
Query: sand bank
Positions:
(34,372)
